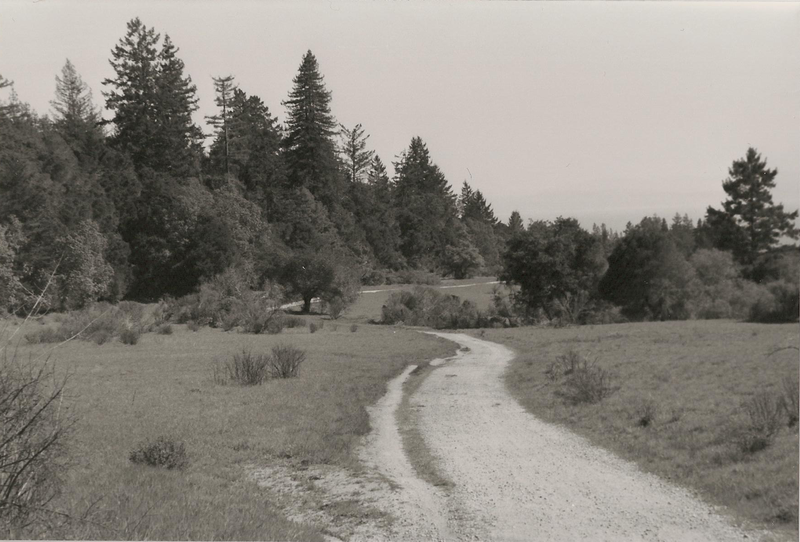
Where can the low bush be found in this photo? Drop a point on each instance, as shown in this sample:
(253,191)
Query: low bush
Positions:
(353,328)
(312,327)
(428,307)
(646,413)
(781,303)
(293,322)
(244,368)
(413,276)
(165,329)
(130,336)
(285,361)
(163,452)
(790,399)
(763,417)
(193,326)
(582,380)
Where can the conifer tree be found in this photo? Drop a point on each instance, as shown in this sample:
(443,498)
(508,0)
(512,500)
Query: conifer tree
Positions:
(76,117)
(749,221)
(355,156)
(224,88)
(515,224)
(309,147)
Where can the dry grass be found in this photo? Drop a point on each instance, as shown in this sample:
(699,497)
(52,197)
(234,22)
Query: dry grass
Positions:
(684,393)
(126,395)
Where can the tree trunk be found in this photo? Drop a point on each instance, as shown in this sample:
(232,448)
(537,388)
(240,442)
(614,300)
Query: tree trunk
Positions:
(306,305)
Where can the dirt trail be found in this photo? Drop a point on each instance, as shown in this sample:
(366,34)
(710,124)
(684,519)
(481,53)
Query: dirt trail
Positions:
(517,478)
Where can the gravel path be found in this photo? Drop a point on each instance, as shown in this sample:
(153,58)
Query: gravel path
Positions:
(517,478)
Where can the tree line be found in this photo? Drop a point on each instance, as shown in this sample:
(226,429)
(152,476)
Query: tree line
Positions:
(137,207)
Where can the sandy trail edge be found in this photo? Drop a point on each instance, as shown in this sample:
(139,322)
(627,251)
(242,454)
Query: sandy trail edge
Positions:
(518,478)
(416,504)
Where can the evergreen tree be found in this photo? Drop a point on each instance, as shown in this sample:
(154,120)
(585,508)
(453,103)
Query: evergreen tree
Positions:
(515,224)
(309,148)
(749,223)
(152,102)
(426,208)
(76,117)
(224,88)
(355,156)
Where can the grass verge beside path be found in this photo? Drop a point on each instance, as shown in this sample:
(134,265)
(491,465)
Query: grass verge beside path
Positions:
(692,379)
(124,395)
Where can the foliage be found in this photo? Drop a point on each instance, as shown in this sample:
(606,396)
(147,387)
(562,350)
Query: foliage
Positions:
(557,267)
(749,223)
(285,361)
(428,307)
(164,452)
(647,275)
(582,380)
(244,368)
(33,438)
(84,273)
(462,259)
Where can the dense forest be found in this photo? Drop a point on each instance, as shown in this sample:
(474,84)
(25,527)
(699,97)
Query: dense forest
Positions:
(139,207)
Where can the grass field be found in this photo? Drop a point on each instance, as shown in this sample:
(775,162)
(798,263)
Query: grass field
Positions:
(692,378)
(369,303)
(124,395)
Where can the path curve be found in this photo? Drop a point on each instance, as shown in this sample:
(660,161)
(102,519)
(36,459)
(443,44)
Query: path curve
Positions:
(517,478)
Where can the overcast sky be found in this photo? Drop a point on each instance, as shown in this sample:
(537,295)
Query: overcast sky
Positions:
(602,111)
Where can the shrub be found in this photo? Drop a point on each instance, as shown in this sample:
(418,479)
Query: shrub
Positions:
(34,432)
(789,399)
(285,361)
(763,419)
(312,327)
(103,336)
(353,328)
(413,276)
(582,380)
(163,452)
(781,304)
(165,329)
(646,413)
(259,314)
(244,368)
(193,326)
(292,322)
(428,307)
(130,336)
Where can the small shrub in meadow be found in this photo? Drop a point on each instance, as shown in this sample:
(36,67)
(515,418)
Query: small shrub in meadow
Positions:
(353,328)
(165,329)
(193,326)
(646,413)
(43,336)
(790,399)
(294,321)
(763,418)
(285,361)
(244,368)
(163,452)
(130,336)
(102,337)
(582,380)
(312,327)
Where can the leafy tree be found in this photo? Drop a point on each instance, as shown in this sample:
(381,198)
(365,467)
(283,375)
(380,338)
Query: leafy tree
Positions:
(749,223)
(355,156)
(307,274)
(310,128)
(84,273)
(648,275)
(556,265)
(223,88)
(462,259)
(12,292)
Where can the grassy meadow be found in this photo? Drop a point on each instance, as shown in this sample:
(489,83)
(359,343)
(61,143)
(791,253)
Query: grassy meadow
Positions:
(124,395)
(678,403)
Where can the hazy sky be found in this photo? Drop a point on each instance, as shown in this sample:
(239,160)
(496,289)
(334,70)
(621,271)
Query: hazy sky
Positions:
(602,111)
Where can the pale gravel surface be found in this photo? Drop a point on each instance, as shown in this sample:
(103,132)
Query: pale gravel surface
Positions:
(517,478)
